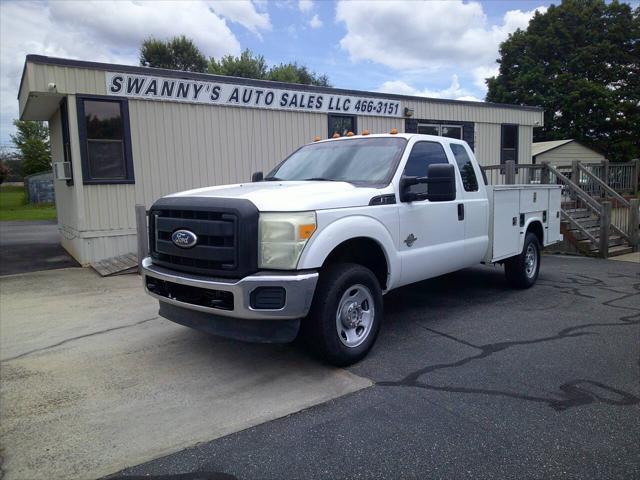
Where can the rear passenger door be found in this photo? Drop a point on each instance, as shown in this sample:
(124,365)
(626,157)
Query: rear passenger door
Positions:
(475,206)
(431,235)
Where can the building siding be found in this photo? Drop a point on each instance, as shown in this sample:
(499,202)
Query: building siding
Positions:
(180,146)
(569,152)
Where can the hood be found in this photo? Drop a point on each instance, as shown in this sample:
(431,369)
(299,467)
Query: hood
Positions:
(291,196)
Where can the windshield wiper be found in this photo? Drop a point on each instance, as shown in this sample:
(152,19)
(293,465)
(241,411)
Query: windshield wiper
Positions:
(319,179)
(272,179)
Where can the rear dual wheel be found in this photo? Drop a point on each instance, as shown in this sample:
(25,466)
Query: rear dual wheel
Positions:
(345,315)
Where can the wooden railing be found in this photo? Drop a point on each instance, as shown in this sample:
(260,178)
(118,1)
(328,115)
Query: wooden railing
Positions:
(582,190)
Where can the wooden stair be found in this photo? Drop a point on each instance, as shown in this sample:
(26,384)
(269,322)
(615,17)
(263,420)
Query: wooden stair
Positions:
(590,225)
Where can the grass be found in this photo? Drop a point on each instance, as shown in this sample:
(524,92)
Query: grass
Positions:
(14,207)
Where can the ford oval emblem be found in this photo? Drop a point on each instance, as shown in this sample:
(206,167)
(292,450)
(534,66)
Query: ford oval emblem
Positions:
(184,239)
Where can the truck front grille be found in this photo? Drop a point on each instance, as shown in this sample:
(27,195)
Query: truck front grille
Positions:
(227,236)
(216,246)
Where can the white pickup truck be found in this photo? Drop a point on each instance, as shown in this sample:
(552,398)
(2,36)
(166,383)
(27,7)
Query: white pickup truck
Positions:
(311,248)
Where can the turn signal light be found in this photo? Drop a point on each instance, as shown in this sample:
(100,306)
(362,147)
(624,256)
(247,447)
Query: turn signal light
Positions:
(394,131)
(305,231)
(365,132)
(336,135)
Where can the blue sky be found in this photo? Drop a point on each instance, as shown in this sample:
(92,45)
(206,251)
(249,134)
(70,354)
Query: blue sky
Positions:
(438,49)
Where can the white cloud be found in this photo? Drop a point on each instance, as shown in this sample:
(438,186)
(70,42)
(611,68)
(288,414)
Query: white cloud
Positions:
(428,36)
(315,22)
(305,5)
(109,31)
(453,91)
(483,72)
(243,13)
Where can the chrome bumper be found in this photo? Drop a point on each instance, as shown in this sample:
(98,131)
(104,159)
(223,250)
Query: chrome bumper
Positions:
(299,291)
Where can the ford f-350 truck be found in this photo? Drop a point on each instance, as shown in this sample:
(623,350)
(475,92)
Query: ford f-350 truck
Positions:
(310,249)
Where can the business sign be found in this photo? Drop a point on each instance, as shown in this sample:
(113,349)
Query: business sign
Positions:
(148,87)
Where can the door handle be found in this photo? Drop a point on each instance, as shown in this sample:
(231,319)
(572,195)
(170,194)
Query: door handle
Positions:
(461,211)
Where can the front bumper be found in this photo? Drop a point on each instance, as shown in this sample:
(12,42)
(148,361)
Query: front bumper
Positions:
(299,289)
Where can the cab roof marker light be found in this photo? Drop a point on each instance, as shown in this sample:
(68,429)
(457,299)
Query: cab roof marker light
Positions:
(394,131)
(336,135)
(365,132)
(316,138)
(349,134)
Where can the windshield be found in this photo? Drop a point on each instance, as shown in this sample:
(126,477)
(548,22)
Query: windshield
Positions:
(360,161)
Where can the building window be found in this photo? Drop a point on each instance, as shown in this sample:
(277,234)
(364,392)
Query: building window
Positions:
(451,131)
(341,124)
(66,142)
(468,175)
(426,129)
(422,155)
(509,143)
(105,140)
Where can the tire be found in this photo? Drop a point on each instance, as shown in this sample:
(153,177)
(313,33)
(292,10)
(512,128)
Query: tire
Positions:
(522,270)
(345,314)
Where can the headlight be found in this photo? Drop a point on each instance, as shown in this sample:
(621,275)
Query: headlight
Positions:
(282,238)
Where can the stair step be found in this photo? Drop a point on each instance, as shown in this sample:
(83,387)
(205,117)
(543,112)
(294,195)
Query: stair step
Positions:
(577,211)
(586,223)
(619,250)
(613,242)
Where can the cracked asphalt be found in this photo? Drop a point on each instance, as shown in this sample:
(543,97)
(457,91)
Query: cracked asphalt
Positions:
(470,380)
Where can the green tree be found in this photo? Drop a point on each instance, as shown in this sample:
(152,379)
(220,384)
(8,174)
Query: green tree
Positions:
(13,161)
(294,73)
(32,139)
(250,65)
(580,61)
(178,53)
(247,65)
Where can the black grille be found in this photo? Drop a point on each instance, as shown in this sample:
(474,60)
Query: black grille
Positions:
(226,231)
(196,296)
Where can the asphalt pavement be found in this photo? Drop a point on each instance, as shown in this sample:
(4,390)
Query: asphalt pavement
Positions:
(92,380)
(31,246)
(471,379)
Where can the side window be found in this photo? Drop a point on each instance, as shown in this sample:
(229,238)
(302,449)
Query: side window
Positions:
(105,143)
(66,142)
(422,155)
(509,143)
(469,180)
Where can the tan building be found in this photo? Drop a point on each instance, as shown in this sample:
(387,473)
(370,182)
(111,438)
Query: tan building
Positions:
(563,152)
(124,135)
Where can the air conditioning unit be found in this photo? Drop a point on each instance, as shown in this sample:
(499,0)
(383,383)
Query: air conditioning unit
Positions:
(62,170)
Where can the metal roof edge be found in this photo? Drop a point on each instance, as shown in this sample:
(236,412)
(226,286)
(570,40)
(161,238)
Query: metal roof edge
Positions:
(42,59)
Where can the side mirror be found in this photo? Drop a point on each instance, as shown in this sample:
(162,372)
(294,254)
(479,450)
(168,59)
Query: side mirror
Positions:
(257,176)
(441,181)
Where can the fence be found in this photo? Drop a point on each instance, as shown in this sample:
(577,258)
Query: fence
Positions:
(622,177)
(39,188)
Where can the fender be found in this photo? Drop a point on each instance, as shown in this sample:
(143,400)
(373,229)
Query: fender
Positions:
(527,224)
(347,228)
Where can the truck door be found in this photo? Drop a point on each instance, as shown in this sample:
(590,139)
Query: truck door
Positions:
(431,236)
(475,206)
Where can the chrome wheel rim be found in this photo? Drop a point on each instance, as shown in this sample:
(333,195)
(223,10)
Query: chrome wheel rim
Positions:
(355,314)
(530,260)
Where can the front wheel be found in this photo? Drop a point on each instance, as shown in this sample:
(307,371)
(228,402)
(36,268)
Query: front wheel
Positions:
(346,313)
(522,270)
